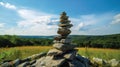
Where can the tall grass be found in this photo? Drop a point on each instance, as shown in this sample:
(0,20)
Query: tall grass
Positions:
(21,52)
(25,51)
(106,54)
(10,54)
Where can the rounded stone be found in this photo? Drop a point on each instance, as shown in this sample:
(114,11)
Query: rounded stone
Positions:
(65,41)
(63,31)
(54,52)
(63,47)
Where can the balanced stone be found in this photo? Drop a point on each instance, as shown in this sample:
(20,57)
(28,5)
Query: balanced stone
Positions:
(16,62)
(65,41)
(63,31)
(6,64)
(63,47)
(48,61)
(66,25)
(25,64)
(70,55)
(53,52)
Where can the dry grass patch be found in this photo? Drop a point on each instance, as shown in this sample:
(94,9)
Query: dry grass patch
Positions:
(25,51)
(100,53)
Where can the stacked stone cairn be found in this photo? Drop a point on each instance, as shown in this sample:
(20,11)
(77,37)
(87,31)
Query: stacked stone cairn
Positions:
(64,53)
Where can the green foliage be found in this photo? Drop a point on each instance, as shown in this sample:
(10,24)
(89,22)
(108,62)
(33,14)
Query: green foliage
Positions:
(106,41)
(25,51)
(21,52)
(9,55)
(106,54)
(12,41)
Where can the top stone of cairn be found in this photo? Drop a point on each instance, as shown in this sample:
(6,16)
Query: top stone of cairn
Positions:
(64,26)
(61,41)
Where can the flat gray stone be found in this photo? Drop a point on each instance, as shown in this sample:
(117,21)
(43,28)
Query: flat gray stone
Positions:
(16,62)
(113,62)
(6,64)
(83,60)
(70,55)
(98,61)
(54,52)
(48,61)
(76,63)
(63,47)
(65,41)
(25,64)
(36,56)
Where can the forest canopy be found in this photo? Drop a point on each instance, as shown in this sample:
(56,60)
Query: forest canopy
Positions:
(103,41)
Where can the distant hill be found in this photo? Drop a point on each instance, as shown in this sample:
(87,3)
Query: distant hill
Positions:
(114,36)
(101,41)
(75,36)
(97,41)
(47,37)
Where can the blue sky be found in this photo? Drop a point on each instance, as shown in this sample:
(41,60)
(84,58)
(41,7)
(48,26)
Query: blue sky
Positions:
(41,17)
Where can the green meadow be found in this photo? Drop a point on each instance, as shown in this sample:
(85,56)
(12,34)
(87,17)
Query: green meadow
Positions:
(25,51)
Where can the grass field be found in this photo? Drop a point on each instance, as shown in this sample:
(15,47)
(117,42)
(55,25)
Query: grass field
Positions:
(25,51)
(106,54)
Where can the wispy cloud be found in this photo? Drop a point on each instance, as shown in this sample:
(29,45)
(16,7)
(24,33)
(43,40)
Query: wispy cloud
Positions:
(2,25)
(33,22)
(92,24)
(116,19)
(87,22)
(31,17)
(8,5)
(37,23)
(41,23)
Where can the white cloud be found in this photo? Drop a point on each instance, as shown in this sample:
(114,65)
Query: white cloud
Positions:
(110,29)
(40,23)
(2,25)
(8,5)
(92,24)
(89,19)
(31,17)
(34,23)
(81,25)
(30,14)
(83,21)
(116,19)
(33,30)
(37,23)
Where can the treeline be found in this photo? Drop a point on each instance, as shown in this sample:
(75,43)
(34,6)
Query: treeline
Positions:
(12,41)
(106,41)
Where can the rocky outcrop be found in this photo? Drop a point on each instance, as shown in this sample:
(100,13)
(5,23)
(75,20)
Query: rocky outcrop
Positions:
(26,62)
(79,61)
(104,63)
